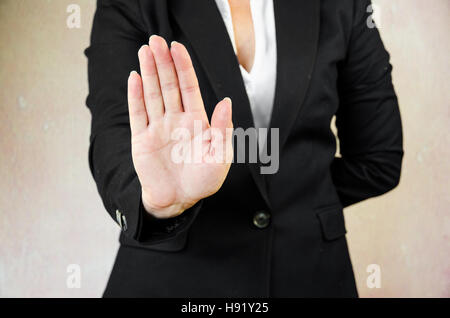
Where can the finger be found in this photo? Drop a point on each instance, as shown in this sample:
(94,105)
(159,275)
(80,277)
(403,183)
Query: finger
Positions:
(190,91)
(152,92)
(221,117)
(136,105)
(168,79)
(222,136)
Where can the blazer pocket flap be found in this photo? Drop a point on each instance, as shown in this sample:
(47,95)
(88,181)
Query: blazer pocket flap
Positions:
(332,221)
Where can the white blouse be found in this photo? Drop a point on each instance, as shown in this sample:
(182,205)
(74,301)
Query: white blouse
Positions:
(261,80)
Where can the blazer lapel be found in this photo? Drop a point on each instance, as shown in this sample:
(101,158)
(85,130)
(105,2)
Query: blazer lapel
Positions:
(297,23)
(203,25)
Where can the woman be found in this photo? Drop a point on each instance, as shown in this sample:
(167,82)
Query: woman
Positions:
(204,229)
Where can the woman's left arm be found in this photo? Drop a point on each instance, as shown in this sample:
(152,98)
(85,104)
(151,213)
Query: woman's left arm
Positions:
(368,119)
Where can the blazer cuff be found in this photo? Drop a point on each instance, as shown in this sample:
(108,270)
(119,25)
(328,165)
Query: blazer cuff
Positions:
(126,209)
(140,226)
(153,230)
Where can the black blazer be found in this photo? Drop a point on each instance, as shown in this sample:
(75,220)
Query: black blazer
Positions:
(329,63)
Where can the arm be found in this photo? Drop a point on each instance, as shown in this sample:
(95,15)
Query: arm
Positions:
(120,169)
(368,119)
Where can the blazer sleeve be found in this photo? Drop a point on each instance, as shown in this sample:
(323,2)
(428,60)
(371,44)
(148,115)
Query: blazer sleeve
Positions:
(368,120)
(117,34)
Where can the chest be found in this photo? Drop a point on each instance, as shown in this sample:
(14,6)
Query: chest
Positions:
(244,32)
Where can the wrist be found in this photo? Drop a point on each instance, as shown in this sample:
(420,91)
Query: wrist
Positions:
(161,212)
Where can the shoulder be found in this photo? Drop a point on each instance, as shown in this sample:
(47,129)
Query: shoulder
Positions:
(133,6)
(349,8)
(143,14)
(126,7)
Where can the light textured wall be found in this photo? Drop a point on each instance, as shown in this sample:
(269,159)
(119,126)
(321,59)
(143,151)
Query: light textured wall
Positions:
(51,215)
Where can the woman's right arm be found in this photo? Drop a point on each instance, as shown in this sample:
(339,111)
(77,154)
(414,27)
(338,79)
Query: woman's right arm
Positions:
(127,163)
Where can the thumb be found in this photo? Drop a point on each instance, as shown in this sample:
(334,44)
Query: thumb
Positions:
(222,136)
(221,118)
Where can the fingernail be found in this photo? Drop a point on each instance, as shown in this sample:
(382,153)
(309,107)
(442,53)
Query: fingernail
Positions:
(142,47)
(229,100)
(173,42)
(133,72)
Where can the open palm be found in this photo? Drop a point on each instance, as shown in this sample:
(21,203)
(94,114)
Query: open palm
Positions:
(167,117)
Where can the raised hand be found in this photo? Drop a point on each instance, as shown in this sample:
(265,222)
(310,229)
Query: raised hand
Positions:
(166,99)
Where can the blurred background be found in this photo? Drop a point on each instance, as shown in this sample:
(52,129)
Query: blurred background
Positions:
(51,215)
